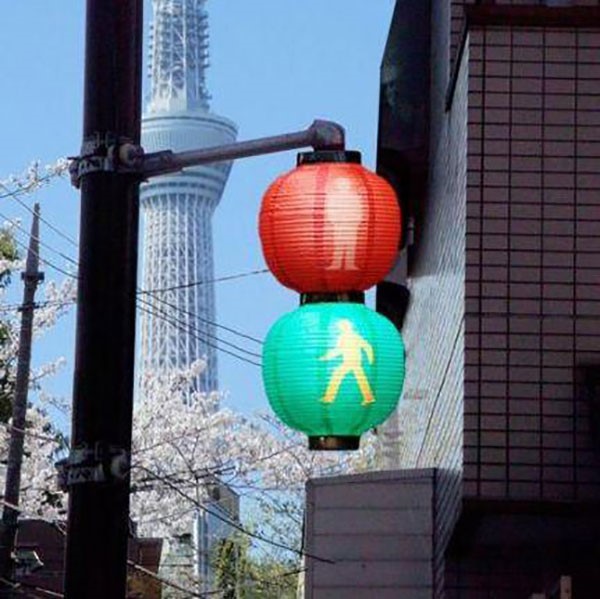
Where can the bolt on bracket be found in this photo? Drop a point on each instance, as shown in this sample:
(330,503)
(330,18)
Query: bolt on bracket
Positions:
(108,153)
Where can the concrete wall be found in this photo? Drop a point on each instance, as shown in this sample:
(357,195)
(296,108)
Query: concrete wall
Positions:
(377,529)
(426,430)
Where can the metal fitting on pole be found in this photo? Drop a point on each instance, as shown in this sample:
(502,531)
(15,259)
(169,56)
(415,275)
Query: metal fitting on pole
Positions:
(119,155)
(99,464)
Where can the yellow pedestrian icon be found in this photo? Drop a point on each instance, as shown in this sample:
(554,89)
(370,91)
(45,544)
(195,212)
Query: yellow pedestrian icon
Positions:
(350,347)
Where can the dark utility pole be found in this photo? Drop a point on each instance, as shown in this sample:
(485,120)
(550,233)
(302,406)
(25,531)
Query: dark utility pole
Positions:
(97,469)
(108,171)
(8,531)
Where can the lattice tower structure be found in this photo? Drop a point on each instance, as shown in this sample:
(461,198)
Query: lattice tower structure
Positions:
(178,327)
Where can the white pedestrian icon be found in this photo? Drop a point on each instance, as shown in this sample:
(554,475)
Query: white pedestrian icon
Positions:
(344,214)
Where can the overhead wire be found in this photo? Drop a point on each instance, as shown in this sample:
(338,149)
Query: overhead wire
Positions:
(216,324)
(161,315)
(29,589)
(237,525)
(174,321)
(42,244)
(64,534)
(52,227)
(23,190)
(205,282)
(198,337)
(195,329)
(14,195)
(38,305)
(153,292)
(46,261)
(62,303)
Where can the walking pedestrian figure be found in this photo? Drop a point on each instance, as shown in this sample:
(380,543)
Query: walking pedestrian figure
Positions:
(350,347)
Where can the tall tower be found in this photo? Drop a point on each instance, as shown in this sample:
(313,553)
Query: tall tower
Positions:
(177,209)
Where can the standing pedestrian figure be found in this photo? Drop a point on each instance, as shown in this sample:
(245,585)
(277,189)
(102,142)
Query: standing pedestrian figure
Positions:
(344,225)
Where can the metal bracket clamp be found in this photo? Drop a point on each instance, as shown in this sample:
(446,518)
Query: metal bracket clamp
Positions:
(108,153)
(98,464)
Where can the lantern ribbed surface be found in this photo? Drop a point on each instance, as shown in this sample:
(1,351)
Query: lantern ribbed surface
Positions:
(333,369)
(330,227)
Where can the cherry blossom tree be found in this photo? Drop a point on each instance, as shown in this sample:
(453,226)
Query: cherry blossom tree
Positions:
(182,441)
(180,444)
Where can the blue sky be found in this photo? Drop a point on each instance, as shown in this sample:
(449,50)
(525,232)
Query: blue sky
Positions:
(276,65)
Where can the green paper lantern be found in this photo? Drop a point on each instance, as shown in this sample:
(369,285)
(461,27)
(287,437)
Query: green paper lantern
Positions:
(333,371)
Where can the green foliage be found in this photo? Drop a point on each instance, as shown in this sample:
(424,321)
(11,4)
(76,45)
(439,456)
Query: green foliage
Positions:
(270,579)
(240,574)
(8,251)
(226,563)
(7,383)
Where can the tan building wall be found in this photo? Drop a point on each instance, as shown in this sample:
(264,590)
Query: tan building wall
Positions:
(533,262)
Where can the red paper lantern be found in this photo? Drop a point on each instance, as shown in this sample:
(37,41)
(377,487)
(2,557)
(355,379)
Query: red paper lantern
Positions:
(330,226)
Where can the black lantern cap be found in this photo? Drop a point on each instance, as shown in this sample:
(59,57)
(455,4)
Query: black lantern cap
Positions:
(334,443)
(319,297)
(318,156)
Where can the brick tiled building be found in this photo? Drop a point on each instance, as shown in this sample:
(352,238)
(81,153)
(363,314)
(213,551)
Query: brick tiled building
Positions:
(490,130)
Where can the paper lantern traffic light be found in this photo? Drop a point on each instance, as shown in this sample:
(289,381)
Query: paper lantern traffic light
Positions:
(330,226)
(333,371)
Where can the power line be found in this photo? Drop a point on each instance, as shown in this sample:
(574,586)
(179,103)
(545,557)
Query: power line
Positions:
(216,324)
(231,330)
(180,323)
(17,586)
(183,323)
(199,338)
(42,244)
(162,580)
(205,282)
(28,433)
(237,525)
(48,262)
(23,190)
(38,305)
(54,228)
(14,195)
(161,315)
(62,303)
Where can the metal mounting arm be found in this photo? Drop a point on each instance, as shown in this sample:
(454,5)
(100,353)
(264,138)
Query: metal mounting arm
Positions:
(321,135)
(122,156)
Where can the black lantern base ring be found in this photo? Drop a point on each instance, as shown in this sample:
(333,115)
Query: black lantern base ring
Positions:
(332,443)
(353,297)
